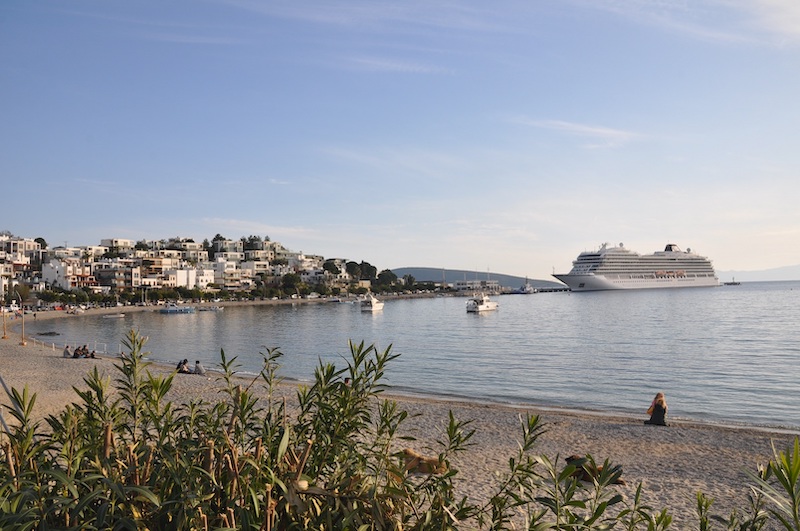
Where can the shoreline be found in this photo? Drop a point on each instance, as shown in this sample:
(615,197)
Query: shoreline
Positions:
(672,463)
(14,325)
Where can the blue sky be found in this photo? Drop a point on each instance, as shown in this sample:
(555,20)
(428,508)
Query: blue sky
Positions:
(492,136)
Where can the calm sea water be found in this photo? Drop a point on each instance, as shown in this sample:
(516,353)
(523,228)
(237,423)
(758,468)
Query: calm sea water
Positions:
(723,355)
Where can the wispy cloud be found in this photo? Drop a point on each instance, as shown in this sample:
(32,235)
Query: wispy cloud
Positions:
(246,226)
(713,20)
(183,38)
(777,16)
(376,13)
(379,64)
(156,29)
(407,161)
(605,136)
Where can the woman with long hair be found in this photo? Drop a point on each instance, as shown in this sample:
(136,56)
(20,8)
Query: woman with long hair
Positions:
(658,411)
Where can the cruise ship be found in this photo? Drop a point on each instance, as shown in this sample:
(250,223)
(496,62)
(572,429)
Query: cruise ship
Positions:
(620,268)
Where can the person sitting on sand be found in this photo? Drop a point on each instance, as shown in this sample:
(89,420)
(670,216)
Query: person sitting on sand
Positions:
(183,367)
(658,411)
(199,369)
(67,353)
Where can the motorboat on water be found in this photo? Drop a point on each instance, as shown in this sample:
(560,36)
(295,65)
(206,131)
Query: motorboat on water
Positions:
(174,308)
(481,303)
(525,289)
(211,308)
(619,268)
(370,303)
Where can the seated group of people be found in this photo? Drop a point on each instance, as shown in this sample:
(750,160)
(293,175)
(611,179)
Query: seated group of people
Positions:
(183,367)
(80,352)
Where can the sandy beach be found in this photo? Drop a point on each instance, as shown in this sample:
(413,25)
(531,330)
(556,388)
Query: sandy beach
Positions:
(672,463)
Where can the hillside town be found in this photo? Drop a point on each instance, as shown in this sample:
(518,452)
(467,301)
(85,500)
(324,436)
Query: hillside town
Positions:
(131,271)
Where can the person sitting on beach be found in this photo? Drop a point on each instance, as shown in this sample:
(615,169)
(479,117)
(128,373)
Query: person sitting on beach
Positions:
(199,369)
(658,411)
(183,367)
(76,353)
(67,353)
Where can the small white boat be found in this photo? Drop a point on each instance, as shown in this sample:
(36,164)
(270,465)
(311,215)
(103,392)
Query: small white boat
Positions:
(370,304)
(174,308)
(114,316)
(481,303)
(211,308)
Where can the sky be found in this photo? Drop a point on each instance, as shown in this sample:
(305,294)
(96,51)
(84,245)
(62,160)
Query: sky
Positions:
(501,136)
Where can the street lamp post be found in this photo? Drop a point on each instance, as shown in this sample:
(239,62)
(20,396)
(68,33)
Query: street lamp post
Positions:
(22,310)
(5,336)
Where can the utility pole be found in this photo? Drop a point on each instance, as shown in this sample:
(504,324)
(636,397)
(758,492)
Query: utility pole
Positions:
(22,309)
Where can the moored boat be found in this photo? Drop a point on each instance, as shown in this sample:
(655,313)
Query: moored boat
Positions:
(525,289)
(481,303)
(369,303)
(174,308)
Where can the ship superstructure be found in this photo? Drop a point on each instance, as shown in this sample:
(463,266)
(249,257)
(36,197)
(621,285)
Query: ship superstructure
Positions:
(620,268)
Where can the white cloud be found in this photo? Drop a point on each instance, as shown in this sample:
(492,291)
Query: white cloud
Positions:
(378,64)
(372,14)
(777,16)
(712,20)
(607,136)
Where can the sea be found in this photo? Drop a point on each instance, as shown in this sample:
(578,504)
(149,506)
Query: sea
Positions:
(728,355)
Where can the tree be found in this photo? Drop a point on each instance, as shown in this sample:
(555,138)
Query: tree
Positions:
(141,245)
(386,278)
(368,271)
(290,281)
(251,243)
(331,268)
(409,280)
(23,291)
(353,269)
(41,241)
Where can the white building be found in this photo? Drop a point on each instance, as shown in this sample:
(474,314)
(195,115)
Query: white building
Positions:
(119,245)
(69,274)
(484,286)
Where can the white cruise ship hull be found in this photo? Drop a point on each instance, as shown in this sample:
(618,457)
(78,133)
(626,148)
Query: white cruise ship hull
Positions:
(618,268)
(602,282)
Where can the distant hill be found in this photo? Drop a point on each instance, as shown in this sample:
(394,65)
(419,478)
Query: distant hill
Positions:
(779,273)
(433,274)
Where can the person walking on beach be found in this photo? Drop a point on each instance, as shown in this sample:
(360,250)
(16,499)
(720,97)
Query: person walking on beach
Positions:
(658,411)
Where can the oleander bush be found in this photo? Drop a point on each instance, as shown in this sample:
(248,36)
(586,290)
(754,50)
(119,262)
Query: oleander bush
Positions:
(124,456)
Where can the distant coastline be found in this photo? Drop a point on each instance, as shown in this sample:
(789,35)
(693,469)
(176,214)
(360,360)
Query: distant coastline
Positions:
(437,274)
(450,276)
(779,274)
